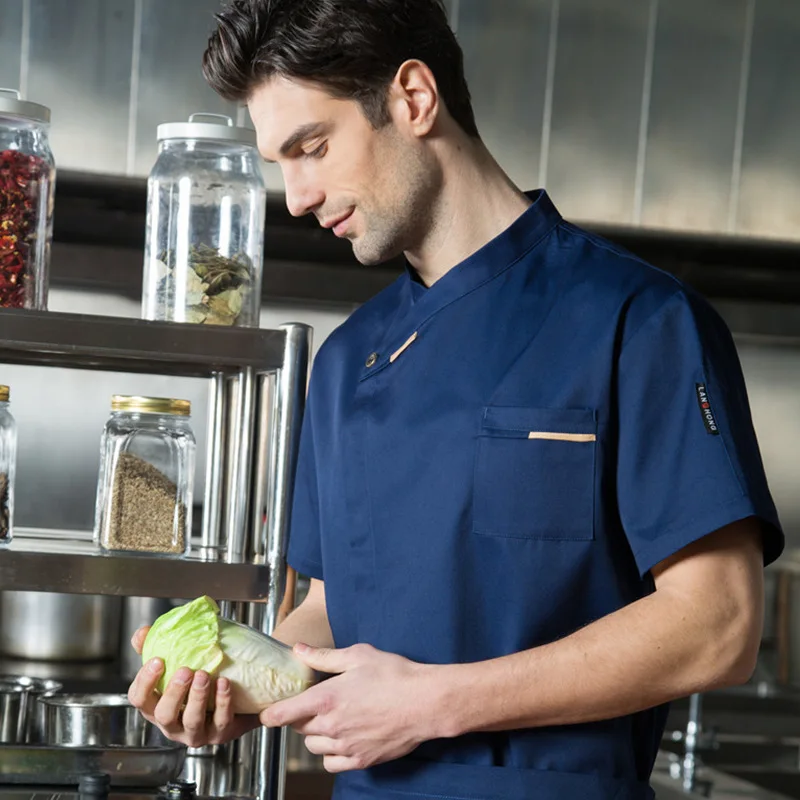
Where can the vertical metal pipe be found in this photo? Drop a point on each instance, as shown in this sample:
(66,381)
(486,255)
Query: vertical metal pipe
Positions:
(240,467)
(264,467)
(291,393)
(693,728)
(215,449)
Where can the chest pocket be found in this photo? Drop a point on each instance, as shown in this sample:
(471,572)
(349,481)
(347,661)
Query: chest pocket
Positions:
(535,473)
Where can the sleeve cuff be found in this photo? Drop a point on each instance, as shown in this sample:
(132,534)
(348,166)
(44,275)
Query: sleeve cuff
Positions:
(649,554)
(305,566)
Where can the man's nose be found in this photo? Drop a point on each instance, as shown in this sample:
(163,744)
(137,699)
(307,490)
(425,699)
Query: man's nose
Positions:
(301,196)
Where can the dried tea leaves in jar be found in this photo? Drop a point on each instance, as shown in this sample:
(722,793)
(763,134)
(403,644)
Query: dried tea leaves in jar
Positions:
(22,178)
(217,287)
(145,514)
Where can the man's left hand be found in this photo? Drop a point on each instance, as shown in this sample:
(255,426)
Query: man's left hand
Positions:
(375,708)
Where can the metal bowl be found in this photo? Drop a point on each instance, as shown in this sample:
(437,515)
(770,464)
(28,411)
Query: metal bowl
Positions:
(13,712)
(35,688)
(93,720)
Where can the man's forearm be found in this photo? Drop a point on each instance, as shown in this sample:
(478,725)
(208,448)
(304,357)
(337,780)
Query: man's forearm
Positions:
(667,645)
(308,623)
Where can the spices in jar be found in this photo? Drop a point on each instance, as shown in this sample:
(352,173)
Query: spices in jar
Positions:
(144,493)
(143,513)
(21,180)
(27,185)
(216,288)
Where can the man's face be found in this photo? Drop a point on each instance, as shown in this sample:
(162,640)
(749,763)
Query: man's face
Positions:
(370,186)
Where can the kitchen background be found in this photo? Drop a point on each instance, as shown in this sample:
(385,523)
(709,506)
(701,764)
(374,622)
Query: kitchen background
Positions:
(668,116)
(669,125)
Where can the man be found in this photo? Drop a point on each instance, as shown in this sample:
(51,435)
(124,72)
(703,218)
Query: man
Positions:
(529,494)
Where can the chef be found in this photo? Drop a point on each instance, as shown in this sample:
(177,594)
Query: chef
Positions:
(529,494)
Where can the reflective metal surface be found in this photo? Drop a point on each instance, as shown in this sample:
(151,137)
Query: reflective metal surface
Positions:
(93,720)
(10,42)
(212,503)
(170,83)
(80,67)
(96,342)
(693,113)
(66,565)
(33,765)
(769,202)
(42,626)
(597,99)
(14,709)
(291,393)
(505,53)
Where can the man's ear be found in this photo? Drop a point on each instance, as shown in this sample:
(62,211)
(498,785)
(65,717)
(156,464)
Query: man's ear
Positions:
(414,97)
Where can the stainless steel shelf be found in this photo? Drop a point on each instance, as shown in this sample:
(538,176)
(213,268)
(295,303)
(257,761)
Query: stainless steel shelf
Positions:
(58,563)
(133,345)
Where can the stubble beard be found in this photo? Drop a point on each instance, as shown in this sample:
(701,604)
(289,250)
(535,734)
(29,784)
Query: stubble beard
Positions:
(404,219)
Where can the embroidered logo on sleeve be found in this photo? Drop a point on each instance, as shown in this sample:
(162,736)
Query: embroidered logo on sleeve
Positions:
(705,409)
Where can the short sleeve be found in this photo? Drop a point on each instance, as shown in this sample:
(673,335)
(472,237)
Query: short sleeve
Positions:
(688,460)
(305,550)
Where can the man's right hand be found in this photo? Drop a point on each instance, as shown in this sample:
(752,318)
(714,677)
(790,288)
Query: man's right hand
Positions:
(181,713)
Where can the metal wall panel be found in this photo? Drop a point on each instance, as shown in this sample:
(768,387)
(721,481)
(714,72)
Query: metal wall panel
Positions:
(505,51)
(170,84)
(769,200)
(80,66)
(693,114)
(597,102)
(10,42)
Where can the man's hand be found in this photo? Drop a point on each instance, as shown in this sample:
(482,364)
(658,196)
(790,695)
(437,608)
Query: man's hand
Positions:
(371,711)
(181,712)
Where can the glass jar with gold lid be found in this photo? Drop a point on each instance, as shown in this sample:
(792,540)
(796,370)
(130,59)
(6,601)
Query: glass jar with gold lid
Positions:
(145,485)
(8,465)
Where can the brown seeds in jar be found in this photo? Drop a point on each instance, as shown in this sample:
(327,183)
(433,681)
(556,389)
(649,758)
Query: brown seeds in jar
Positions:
(145,514)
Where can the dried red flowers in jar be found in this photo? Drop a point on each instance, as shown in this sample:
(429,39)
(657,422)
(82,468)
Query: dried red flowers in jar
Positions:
(27,176)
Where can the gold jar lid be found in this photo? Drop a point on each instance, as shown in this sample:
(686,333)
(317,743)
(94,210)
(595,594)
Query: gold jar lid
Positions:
(5,394)
(150,405)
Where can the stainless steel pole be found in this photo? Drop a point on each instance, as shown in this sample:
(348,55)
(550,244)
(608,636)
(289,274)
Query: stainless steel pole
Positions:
(290,403)
(239,467)
(210,544)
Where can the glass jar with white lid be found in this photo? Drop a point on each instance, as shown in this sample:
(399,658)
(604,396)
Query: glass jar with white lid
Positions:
(206,205)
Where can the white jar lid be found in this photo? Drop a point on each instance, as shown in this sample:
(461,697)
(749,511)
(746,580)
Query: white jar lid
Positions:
(222,129)
(22,108)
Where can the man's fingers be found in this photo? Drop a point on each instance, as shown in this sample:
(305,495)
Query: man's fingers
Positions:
(223,711)
(323,746)
(194,715)
(294,710)
(137,641)
(334,764)
(167,712)
(141,692)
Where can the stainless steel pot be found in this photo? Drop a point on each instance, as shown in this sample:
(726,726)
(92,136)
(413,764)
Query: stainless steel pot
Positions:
(48,626)
(13,712)
(34,711)
(95,720)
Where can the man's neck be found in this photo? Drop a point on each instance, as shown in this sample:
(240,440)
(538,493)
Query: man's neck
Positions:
(477,202)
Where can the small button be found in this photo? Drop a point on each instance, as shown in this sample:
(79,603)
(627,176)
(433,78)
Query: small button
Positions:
(372,360)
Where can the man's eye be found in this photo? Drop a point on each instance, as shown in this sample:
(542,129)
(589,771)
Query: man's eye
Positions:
(318,152)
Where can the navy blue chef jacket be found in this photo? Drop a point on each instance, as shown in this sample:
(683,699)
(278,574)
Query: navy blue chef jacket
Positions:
(489,464)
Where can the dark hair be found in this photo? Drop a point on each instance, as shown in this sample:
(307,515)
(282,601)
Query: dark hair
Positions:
(351,48)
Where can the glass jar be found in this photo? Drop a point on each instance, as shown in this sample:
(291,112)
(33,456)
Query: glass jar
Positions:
(8,465)
(206,204)
(27,185)
(144,492)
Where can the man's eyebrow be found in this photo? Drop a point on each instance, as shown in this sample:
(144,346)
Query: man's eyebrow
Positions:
(303,132)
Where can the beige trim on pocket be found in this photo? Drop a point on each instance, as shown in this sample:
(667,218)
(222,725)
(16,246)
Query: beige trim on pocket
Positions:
(563,437)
